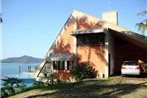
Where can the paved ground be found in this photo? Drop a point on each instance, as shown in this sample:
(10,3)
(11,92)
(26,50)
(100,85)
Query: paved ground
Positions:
(114,87)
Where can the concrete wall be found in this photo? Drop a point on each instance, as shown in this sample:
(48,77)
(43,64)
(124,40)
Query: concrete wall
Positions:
(111,53)
(110,16)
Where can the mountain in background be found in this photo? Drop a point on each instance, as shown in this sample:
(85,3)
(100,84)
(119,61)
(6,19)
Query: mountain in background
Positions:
(23,59)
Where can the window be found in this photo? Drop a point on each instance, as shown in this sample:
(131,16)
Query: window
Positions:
(130,63)
(69,64)
(60,65)
(55,64)
(90,39)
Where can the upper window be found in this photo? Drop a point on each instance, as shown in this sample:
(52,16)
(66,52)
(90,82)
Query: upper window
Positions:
(90,39)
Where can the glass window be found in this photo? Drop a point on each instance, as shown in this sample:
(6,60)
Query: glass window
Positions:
(68,64)
(130,63)
(58,65)
(55,65)
(90,39)
(61,65)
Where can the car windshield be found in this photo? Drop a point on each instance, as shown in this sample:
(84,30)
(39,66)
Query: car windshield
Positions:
(130,63)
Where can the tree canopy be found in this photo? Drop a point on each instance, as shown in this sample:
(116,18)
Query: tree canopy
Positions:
(142,26)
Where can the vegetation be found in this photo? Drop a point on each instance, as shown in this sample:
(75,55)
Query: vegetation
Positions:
(1,20)
(142,26)
(114,87)
(83,71)
(11,86)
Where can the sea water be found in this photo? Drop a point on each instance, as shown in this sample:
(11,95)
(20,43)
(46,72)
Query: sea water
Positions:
(16,70)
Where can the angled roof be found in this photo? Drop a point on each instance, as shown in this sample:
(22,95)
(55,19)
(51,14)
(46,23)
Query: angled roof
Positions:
(87,31)
(60,57)
(142,40)
(106,24)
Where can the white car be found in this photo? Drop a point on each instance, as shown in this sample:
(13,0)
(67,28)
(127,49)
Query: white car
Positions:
(130,68)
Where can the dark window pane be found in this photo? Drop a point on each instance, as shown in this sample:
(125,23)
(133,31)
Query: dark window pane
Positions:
(55,65)
(130,63)
(68,64)
(58,64)
(61,65)
(90,39)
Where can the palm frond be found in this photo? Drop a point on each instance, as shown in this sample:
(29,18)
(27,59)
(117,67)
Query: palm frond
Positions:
(142,27)
(142,13)
(1,19)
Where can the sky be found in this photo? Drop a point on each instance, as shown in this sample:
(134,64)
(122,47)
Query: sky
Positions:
(30,26)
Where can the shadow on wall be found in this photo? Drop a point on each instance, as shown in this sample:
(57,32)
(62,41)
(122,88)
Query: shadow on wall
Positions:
(89,53)
(62,48)
(84,23)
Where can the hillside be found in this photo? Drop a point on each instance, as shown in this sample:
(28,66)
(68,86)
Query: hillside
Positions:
(23,59)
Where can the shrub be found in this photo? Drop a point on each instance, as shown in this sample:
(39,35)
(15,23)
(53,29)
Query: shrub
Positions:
(83,71)
(11,86)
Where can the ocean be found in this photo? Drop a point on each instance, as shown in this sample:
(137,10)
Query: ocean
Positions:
(16,70)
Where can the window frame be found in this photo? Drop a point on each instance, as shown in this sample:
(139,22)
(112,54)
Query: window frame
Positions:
(91,39)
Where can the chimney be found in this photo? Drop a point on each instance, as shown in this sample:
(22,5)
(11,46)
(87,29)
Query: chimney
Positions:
(110,16)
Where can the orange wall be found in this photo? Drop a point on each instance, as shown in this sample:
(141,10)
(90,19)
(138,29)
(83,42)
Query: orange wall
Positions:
(87,54)
(93,56)
(65,44)
(62,74)
(65,41)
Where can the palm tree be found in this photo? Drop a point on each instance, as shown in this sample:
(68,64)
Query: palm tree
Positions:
(1,20)
(142,26)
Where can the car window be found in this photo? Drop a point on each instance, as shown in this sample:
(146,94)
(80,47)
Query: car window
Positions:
(130,63)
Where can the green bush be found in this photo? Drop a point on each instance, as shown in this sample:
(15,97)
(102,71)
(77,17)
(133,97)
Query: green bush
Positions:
(11,86)
(83,71)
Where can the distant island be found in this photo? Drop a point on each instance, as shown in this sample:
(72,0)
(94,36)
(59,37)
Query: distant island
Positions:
(23,59)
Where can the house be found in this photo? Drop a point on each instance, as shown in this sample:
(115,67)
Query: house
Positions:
(99,42)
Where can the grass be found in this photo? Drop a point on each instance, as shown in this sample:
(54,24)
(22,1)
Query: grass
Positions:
(113,88)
